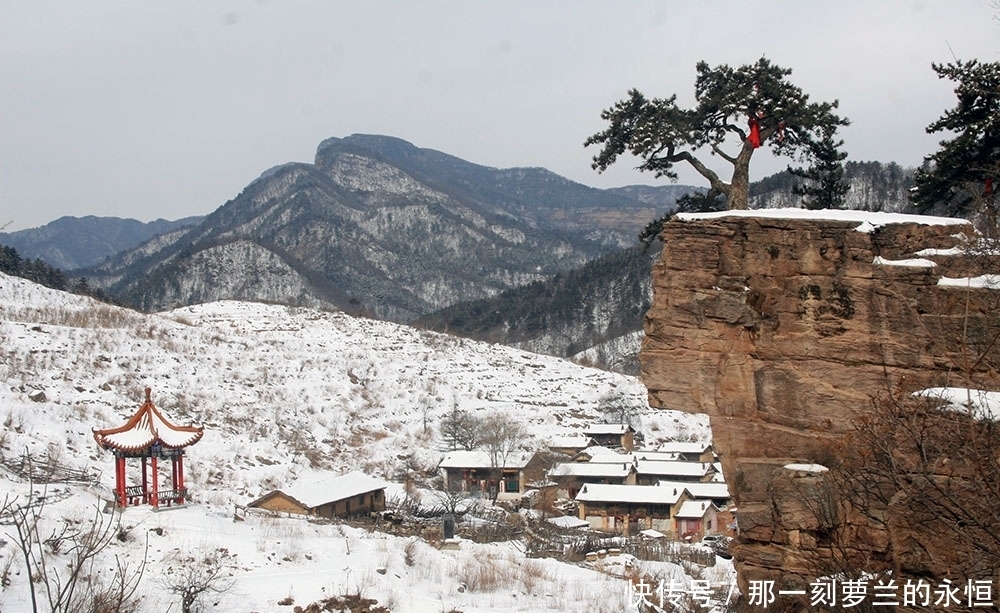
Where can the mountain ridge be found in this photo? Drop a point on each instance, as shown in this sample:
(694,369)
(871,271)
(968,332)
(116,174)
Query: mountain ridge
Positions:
(72,242)
(379,226)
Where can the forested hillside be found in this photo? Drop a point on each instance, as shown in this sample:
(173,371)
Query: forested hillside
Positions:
(604,299)
(874,186)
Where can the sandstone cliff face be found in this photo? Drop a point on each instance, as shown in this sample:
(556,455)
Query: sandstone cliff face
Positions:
(782,329)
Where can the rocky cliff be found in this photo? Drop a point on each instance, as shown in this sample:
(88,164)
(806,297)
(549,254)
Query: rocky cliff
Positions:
(782,326)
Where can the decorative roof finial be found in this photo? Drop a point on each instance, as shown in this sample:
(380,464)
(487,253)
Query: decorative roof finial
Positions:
(148,391)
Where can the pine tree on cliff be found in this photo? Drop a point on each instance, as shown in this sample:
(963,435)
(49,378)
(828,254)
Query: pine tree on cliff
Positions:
(824,186)
(748,107)
(963,177)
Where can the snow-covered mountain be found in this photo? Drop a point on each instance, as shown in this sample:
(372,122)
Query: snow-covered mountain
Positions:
(378,226)
(282,391)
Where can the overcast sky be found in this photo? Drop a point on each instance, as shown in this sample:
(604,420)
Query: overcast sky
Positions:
(168,109)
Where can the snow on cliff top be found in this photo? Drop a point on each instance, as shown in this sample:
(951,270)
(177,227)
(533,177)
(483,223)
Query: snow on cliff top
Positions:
(867,220)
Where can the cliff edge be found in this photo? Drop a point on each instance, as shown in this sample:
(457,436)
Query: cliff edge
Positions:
(782,325)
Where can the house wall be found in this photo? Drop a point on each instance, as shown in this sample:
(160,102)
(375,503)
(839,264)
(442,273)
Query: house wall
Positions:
(628,441)
(690,528)
(627,518)
(355,505)
(281,504)
(653,479)
(479,480)
(361,504)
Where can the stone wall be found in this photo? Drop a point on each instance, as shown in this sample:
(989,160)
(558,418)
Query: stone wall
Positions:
(782,327)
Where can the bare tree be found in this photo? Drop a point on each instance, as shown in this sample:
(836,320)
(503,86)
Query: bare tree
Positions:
(617,407)
(451,501)
(500,437)
(460,430)
(196,576)
(929,474)
(61,557)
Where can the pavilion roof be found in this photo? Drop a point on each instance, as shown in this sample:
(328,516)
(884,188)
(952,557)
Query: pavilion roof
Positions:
(146,428)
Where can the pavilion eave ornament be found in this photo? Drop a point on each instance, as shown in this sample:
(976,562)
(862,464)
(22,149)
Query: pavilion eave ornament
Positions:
(147,429)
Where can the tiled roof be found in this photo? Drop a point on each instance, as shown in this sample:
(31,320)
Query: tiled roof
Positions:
(146,428)
(317,491)
(641,494)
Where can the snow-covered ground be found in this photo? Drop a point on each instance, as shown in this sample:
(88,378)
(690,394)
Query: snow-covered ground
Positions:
(284,391)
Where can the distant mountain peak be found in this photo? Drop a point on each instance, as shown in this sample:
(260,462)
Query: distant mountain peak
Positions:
(379,226)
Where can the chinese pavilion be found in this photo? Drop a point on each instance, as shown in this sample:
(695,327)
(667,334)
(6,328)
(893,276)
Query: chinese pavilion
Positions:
(147,435)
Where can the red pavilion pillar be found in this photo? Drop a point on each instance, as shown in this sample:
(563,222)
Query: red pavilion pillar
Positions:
(155,493)
(120,480)
(179,486)
(145,482)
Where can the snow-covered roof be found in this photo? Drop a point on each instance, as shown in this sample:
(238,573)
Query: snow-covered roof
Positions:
(480,459)
(674,468)
(571,441)
(684,447)
(709,489)
(659,456)
(317,491)
(693,509)
(597,454)
(867,220)
(590,469)
(146,428)
(568,521)
(639,494)
(593,429)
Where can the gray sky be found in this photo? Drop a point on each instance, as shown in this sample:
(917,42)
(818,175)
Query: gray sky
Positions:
(168,109)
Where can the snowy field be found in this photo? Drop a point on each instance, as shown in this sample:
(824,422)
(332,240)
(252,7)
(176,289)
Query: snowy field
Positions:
(284,391)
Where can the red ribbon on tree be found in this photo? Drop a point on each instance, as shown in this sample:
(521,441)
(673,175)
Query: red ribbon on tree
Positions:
(754,137)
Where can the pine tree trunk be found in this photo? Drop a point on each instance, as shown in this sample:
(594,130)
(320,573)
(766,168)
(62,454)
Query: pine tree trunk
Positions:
(739,187)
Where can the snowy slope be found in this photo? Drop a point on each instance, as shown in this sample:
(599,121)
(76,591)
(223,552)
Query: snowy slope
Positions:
(283,391)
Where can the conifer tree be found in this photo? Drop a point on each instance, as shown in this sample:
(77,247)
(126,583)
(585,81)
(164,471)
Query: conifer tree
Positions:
(825,186)
(750,107)
(963,177)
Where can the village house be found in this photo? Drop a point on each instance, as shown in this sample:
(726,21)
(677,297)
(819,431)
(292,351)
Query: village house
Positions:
(627,509)
(569,444)
(570,477)
(612,435)
(673,510)
(688,452)
(327,496)
(719,519)
(715,491)
(474,472)
(649,472)
(693,519)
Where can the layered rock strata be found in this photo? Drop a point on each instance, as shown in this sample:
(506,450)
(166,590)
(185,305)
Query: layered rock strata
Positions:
(782,326)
